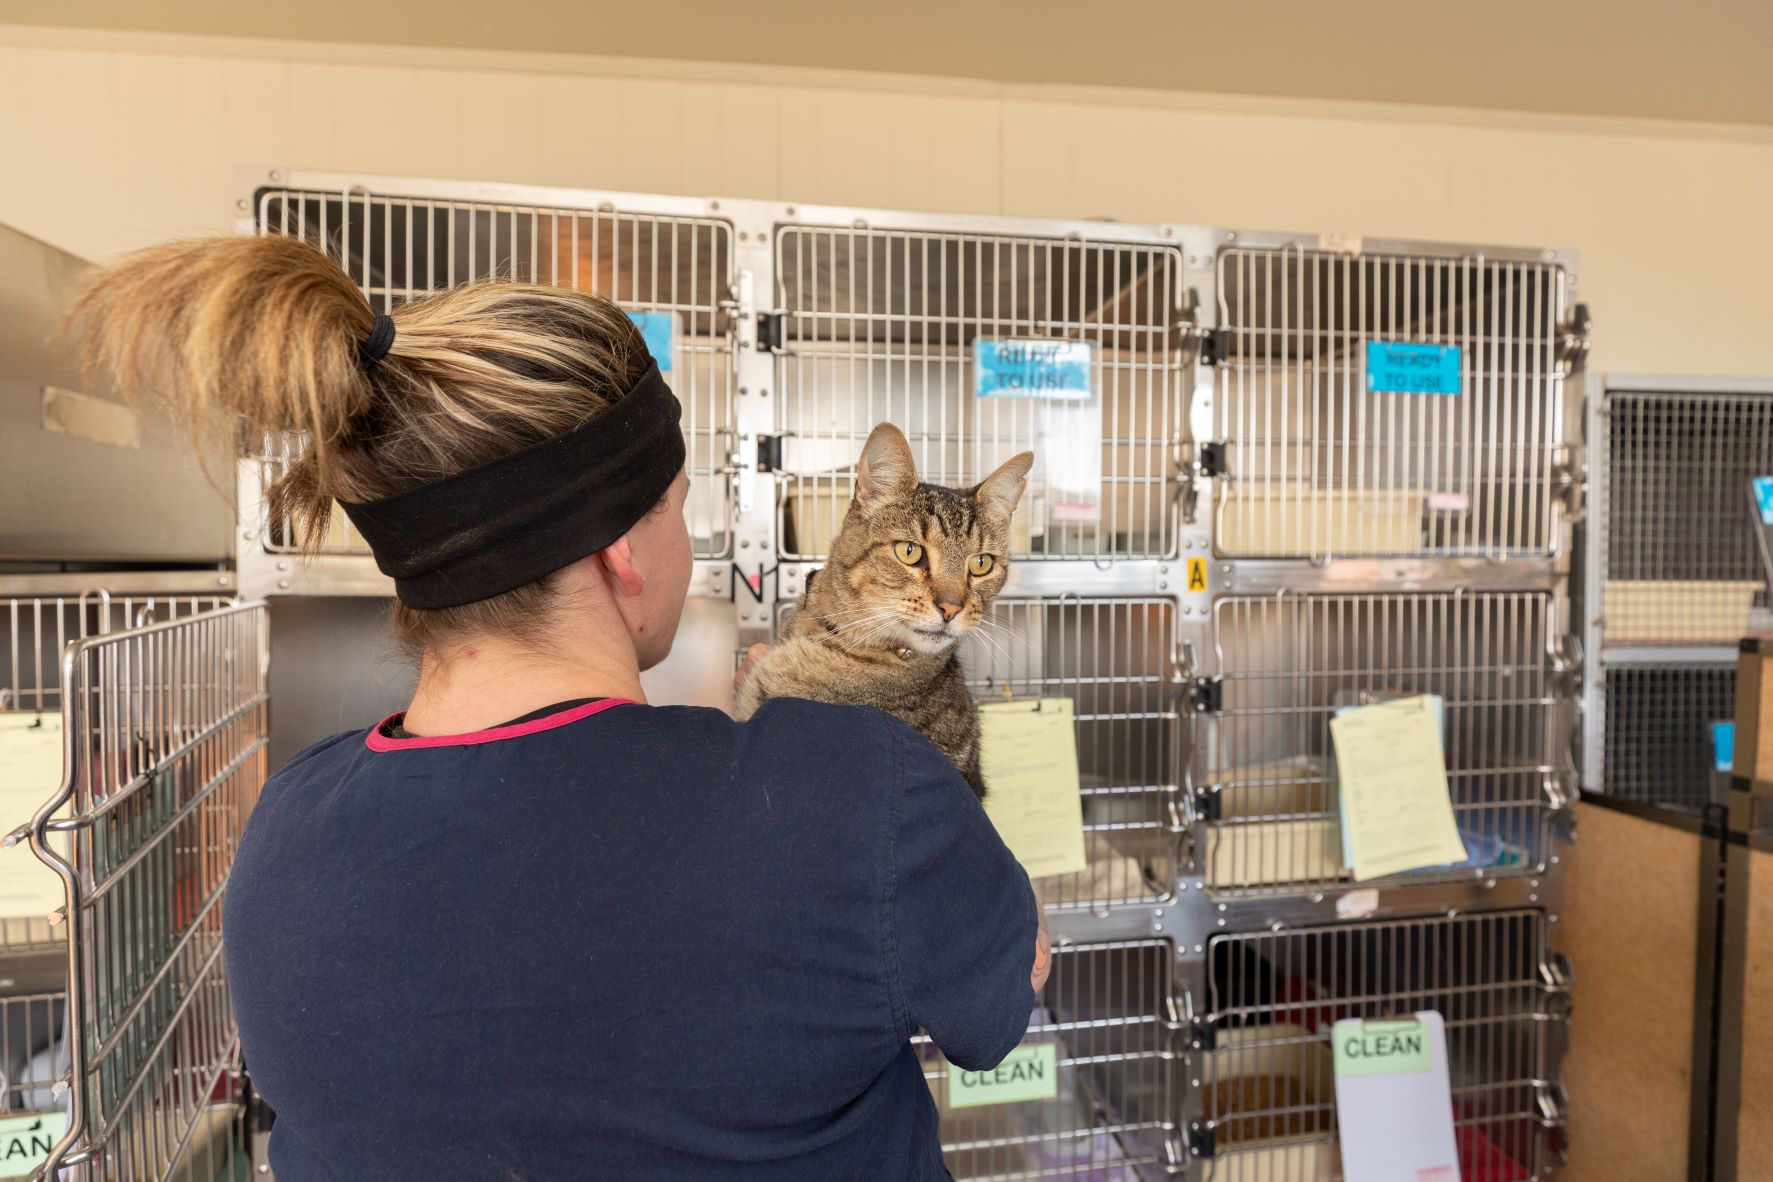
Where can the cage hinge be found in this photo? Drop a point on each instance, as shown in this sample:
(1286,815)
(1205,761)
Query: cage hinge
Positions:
(769,453)
(1210,459)
(772,331)
(1200,1140)
(1207,695)
(1206,803)
(1573,340)
(1215,344)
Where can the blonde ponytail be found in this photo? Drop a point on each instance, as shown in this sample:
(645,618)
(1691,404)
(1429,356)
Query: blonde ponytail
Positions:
(262,335)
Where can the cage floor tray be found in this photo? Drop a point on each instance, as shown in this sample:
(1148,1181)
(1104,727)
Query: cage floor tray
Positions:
(1268,1092)
(1262,838)
(1677,611)
(1284,520)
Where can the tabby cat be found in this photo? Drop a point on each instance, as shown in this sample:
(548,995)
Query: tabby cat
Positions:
(911,571)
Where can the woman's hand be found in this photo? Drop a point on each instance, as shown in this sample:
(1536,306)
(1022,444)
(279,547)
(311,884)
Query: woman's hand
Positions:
(753,655)
(1043,950)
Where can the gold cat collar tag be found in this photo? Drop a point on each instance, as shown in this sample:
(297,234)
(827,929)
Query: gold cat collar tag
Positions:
(904,654)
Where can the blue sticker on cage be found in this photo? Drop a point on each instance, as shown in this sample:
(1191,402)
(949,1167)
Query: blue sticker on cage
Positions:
(1397,367)
(1723,745)
(1054,370)
(660,331)
(1763,486)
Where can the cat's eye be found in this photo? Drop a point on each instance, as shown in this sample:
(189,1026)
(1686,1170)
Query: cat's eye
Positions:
(981,565)
(910,553)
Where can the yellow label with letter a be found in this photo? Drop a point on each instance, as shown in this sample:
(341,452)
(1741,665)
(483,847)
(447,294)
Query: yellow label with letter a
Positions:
(1030,1072)
(1197,574)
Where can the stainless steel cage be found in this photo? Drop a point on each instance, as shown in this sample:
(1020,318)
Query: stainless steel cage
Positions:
(1265,1105)
(1114,659)
(1265,807)
(1108,1012)
(1679,558)
(165,730)
(1316,461)
(36,630)
(879,323)
(398,246)
(1657,721)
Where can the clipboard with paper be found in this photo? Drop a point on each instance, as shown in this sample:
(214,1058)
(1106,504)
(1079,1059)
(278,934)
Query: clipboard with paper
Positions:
(1028,756)
(1394,1099)
(30,773)
(1391,788)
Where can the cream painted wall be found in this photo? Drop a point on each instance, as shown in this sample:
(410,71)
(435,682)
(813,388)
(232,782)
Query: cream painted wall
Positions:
(109,141)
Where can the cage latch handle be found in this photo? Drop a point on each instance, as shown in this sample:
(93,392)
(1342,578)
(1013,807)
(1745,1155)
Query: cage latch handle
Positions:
(772,332)
(769,453)
(1206,695)
(1210,459)
(1215,345)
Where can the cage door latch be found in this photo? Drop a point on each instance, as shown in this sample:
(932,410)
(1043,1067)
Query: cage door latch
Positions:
(769,453)
(1207,695)
(1214,345)
(772,331)
(1210,458)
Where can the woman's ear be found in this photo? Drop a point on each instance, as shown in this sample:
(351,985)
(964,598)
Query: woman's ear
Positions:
(617,561)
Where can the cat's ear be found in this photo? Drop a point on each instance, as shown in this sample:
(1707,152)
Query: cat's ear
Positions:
(886,469)
(1003,488)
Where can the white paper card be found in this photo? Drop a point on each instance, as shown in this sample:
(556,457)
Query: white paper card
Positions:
(1394,1101)
(30,773)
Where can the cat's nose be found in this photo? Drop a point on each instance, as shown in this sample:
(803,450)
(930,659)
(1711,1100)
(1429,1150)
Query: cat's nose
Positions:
(948,610)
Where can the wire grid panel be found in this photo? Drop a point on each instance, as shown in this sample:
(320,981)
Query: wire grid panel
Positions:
(1680,558)
(1112,1105)
(1321,463)
(166,729)
(1658,746)
(1266,1072)
(399,248)
(879,326)
(1268,817)
(37,629)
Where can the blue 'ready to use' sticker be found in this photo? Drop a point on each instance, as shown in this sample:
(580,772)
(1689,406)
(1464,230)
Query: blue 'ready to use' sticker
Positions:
(1399,367)
(1054,370)
(660,331)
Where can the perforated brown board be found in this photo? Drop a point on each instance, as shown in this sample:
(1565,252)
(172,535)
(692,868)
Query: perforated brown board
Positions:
(1754,1125)
(1630,901)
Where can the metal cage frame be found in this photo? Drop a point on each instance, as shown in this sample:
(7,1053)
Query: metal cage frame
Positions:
(164,729)
(1640,651)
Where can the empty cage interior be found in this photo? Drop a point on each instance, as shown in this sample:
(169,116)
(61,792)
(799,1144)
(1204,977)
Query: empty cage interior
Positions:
(1290,663)
(675,271)
(1098,1063)
(1266,1067)
(1111,658)
(1323,460)
(882,325)
(1658,745)
(169,748)
(1682,564)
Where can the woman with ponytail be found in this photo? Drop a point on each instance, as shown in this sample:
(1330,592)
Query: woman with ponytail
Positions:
(532,927)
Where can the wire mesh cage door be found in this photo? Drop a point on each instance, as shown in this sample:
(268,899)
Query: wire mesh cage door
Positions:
(1679,558)
(1091,1092)
(672,272)
(166,734)
(36,631)
(1266,1106)
(1388,404)
(888,325)
(1267,817)
(1661,746)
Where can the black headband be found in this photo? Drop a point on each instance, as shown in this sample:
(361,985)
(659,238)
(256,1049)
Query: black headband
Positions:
(375,346)
(509,522)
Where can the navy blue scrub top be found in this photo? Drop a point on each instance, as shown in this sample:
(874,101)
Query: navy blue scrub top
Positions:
(621,941)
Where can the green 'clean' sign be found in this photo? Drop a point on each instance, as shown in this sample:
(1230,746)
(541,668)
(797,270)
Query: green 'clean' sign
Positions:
(1031,1072)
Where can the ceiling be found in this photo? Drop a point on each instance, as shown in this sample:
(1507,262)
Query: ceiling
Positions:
(1703,60)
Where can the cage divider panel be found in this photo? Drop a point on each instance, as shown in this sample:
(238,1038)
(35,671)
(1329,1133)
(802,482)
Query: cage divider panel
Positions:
(1266,1066)
(880,324)
(1287,663)
(1320,467)
(397,248)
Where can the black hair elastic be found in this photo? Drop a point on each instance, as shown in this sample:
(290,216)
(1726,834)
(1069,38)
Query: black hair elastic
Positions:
(379,341)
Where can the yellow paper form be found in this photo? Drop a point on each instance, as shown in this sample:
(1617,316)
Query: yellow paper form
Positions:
(1397,813)
(30,773)
(1028,754)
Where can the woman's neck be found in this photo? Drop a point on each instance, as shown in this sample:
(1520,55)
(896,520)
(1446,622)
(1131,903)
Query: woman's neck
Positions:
(490,680)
